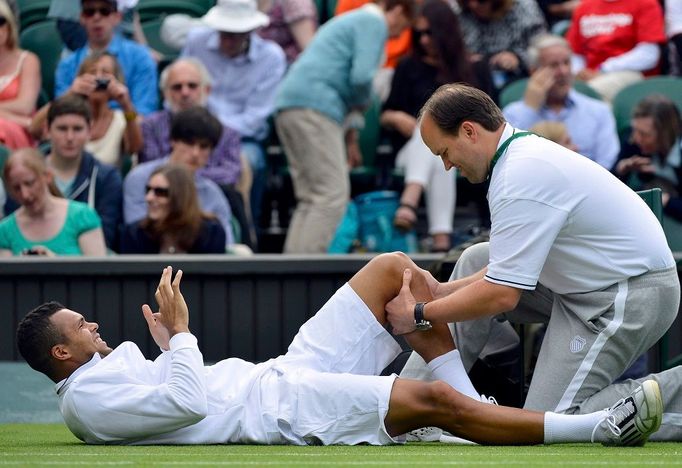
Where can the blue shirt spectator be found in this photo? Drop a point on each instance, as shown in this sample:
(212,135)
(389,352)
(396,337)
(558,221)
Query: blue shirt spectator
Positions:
(139,70)
(590,124)
(335,73)
(243,92)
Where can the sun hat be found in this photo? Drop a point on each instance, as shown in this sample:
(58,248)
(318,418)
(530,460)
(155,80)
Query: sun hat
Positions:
(235,16)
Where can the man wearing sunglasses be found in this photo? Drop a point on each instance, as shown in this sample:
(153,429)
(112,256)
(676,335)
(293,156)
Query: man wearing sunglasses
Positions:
(100,18)
(194,133)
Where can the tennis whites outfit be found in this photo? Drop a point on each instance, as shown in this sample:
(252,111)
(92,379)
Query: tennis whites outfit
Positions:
(324,390)
(592,261)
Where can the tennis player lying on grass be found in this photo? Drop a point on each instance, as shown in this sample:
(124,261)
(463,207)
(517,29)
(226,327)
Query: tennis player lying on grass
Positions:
(324,390)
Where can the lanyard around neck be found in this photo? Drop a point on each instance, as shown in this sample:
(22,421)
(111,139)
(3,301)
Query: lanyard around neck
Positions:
(500,151)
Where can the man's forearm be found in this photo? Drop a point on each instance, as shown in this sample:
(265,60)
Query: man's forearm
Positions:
(479,298)
(448,288)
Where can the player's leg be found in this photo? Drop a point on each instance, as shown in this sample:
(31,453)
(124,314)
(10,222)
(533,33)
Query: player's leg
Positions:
(379,282)
(415,403)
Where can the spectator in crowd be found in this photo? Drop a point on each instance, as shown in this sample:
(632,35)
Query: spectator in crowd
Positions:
(554,131)
(657,162)
(174,221)
(550,95)
(194,134)
(45,223)
(438,57)
(186,83)
(78,174)
(500,31)
(100,18)
(616,43)
(72,32)
(113,132)
(19,83)
(332,77)
(246,71)
(396,48)
(673,28)
(292,24)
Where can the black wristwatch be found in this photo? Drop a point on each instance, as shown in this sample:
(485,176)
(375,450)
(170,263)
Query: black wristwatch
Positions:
(419,322)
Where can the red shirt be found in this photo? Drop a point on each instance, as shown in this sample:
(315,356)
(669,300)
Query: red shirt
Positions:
(601,29)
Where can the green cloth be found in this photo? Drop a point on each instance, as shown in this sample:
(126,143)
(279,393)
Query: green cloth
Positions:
(80,218)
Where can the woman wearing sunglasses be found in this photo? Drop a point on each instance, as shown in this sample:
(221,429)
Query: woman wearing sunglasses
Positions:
(174,221)
(438,57)
(19,84)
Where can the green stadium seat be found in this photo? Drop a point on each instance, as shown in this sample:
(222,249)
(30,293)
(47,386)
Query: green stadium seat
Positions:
(43,40)
(628,97)
(514,91)
(32,12)
(150,10)
(652,197)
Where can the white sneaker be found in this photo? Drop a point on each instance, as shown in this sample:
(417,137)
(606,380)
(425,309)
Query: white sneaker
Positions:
(634,418)
(435,434)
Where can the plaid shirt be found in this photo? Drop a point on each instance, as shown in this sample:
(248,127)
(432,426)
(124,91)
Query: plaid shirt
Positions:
(224,166)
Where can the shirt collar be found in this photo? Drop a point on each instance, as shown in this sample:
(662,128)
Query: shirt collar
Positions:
(374,9)
(506,133)
(114,46)
(213,43)
(60,386)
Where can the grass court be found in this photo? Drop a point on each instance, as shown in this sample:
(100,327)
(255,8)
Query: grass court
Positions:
(53,445)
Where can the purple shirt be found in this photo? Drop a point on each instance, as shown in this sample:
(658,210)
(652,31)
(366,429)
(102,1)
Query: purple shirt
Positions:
(224,165)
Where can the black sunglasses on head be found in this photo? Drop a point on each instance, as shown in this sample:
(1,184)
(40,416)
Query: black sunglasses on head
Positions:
(90,12)
(158,191)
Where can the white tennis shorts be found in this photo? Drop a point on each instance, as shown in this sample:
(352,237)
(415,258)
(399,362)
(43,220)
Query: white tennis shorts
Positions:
(329,388)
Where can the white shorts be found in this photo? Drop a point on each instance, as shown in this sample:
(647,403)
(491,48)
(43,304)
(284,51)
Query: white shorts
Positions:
(329,388)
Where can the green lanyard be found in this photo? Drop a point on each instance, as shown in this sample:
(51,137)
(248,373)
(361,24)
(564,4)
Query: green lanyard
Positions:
(503,148)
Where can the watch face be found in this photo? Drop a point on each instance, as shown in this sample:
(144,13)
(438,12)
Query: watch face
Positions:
(423,325)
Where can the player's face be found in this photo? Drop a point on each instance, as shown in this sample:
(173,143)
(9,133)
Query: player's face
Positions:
(81,339)
(458,151)
(644,134)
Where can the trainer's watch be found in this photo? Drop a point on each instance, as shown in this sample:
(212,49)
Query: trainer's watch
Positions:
(419,322)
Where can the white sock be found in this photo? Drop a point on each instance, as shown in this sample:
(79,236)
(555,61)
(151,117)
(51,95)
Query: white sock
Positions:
(561,428)
(448,367)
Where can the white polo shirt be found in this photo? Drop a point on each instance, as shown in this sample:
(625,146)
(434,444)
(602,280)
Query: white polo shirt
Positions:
(560,219)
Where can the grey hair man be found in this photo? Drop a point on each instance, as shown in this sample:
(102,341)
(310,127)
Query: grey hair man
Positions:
(550,96)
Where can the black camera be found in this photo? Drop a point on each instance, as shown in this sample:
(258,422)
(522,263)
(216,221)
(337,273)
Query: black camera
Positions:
(101,84)
(30,251)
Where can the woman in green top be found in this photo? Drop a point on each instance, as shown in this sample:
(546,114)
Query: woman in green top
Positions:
(45,223)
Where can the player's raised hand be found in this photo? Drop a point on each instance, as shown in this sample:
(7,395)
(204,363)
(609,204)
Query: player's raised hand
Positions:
(173,311)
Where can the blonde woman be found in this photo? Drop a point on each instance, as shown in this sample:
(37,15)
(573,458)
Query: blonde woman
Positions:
(45,223)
